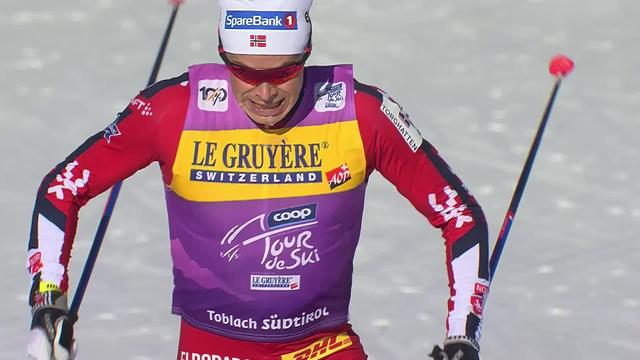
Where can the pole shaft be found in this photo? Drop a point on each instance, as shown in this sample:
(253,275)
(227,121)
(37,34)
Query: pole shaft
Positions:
(83,282)
(522,182)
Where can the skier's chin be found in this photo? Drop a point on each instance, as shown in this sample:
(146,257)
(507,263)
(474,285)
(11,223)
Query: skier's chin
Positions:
(267,121)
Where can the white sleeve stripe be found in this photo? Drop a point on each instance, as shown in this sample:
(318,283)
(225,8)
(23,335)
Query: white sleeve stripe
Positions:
(50,242)
(467,264)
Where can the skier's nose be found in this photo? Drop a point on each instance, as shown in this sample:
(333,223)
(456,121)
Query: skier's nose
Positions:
(266,92)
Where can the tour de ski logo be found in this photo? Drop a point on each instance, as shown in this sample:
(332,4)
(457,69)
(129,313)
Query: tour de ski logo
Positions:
(285,235)
(330,96)
(213,95)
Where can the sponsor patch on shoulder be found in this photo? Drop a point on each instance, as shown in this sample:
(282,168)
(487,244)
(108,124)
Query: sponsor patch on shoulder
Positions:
(330,96)
(401,122)
(213,95)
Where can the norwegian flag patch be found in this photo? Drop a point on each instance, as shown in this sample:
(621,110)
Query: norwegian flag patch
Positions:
(258,41)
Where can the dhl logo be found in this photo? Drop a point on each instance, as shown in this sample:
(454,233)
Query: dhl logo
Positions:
(321,348)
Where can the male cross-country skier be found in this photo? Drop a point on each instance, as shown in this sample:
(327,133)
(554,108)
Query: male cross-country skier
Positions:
(265,164)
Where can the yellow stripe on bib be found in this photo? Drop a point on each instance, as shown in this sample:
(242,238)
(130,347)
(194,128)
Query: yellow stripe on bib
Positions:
(251,164)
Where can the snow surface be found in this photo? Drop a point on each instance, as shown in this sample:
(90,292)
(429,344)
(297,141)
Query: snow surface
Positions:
(473,75)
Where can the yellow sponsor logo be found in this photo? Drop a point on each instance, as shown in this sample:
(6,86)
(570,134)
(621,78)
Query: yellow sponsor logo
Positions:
(46,286)
(321,348)
(232,165)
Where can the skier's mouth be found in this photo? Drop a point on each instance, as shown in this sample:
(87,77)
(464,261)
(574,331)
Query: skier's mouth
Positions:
(268,110)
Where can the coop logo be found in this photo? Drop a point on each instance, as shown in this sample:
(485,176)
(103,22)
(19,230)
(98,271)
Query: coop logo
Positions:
(275,282)
(291,216)
(261,20)
(213,95)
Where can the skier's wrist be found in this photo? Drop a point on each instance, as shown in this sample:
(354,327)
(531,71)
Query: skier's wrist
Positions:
(46,294)
(457,347)
(462,339)
(51,328)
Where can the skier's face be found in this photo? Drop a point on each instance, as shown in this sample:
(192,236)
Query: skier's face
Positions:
(268,96)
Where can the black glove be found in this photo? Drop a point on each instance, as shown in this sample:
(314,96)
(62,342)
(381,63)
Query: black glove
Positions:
(457,348)
(51,329)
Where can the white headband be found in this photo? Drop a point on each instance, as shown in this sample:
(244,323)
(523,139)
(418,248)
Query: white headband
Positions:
(265,27)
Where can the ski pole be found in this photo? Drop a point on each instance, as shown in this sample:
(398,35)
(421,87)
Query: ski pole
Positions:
(559,67)
(115,190)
